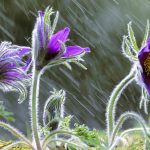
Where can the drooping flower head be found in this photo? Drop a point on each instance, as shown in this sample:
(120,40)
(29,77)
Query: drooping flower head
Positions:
(144,59)
(48,46)
(13,76)
(140,57)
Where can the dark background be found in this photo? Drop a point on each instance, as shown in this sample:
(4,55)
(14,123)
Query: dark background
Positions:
(99,24)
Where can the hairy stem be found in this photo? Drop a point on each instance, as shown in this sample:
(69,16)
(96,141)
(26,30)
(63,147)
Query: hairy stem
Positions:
(111,108)
(67,142)
(34,107)
(122,119)
(15,132)
(47,138)
(132,130)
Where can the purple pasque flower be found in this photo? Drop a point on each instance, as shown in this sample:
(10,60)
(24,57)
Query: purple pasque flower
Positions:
(48,46)
(144,59)
(13,68)
(54,45)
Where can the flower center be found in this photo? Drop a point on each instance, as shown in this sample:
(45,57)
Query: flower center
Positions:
(147,65)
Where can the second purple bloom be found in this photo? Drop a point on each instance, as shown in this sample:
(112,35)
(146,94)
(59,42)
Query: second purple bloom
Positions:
(48,46)
(144,59)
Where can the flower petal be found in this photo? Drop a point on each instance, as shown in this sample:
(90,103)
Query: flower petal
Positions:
(54,44)
(40,28)
(143,54)
(24,51)
(144,59)
(27,64)
(19,52)
(146,81)
(72,51)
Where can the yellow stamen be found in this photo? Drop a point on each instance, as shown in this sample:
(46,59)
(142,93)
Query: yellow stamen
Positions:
(147,65)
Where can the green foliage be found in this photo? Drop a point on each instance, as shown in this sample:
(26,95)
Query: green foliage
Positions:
(91,137)
(65,123)
(97,140)
(5,114)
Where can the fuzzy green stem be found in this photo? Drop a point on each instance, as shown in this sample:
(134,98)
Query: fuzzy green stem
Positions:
(15,132)
(34,106)
(122,119)
(65,141)
(45,141)
(110,115)
(132,130)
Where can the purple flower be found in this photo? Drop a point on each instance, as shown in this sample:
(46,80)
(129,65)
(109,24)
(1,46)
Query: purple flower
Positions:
(47,46)
(13,68)
(54,45)
(144,59)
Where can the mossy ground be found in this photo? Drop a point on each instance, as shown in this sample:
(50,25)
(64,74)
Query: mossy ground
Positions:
(4,143)
(133,143)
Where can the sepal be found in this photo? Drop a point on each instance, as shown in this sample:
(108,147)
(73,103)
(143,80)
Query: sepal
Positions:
(132,37)
(127,49)
(146,33)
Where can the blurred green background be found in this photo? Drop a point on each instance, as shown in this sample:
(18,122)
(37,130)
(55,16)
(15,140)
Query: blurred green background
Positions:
(99,24)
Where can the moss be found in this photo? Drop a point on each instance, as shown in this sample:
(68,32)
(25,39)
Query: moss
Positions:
(133,142)
(4,143)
